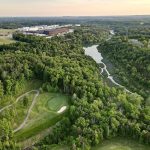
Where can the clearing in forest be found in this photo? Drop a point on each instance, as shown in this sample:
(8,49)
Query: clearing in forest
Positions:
(44,114)
(121,144)
(6,36)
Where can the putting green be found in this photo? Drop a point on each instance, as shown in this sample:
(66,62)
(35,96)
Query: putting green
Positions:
(56,102)
(43,115)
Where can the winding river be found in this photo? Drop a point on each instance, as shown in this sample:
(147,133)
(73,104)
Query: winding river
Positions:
(93,52)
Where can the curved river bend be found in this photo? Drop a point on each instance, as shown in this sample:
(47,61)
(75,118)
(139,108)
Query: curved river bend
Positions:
(93,52)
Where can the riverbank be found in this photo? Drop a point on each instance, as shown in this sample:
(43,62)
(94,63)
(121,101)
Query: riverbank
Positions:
(93,52)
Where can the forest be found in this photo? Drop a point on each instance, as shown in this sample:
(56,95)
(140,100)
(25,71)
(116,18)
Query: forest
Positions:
(132,62)
(97,111)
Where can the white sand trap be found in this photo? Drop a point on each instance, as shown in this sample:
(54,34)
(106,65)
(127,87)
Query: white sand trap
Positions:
(62,109)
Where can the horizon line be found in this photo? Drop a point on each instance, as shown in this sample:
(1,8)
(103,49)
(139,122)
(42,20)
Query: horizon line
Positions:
(76,16)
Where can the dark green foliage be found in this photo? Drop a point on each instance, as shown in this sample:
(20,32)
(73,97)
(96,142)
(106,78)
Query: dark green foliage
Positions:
(6,137)
(97,111)
(132,63)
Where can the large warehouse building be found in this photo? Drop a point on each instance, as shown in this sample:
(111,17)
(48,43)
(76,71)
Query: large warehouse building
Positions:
(57,31)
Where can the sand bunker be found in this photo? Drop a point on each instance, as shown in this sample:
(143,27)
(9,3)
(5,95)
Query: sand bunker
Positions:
(62,109)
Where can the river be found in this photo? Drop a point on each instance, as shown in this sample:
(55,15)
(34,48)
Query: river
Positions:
(93,52)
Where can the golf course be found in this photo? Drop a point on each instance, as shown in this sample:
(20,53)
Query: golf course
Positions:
(120,143)
(34,111)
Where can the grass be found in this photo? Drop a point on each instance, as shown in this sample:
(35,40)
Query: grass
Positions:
(118,143)
(121,144)
(21,110)
(57,147)
(6,31)
(56,102)
(23,88)
(18,110)
(44,114)
(5,36)
(6,40)
(37,126)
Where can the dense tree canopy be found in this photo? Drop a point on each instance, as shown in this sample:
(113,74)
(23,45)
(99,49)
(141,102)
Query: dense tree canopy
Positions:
(132,63)
(97,111)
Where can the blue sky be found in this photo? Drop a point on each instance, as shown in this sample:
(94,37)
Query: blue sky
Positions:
(73,7)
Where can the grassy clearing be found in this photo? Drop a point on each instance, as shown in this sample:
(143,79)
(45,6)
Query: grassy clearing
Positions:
(21,110)
(57,147)
(113,144)
(121,144)
(44,114)
(36,127)
(6,40)
(5,32)
(22,88)
(6,36)
(18,110)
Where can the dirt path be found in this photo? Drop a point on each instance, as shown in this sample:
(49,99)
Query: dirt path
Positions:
(29,111)
(17,100)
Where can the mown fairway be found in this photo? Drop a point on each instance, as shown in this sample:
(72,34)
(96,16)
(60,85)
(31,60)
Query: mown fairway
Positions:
(113,144)
(121,144)
(23,87)
(57,147)
(43,115)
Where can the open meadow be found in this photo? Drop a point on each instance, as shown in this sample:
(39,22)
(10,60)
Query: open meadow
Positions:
(33,111)
(121,144)
(6,36)
(43,115)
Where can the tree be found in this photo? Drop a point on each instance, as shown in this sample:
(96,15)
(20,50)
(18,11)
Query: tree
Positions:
(1,90)
(25,101)
(6,137)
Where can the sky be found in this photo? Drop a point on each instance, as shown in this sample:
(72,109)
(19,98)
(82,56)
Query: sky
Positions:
(74,7)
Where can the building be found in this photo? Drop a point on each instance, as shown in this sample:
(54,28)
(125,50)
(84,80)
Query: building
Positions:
(58,31)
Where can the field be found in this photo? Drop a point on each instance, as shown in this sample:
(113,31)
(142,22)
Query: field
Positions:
(23,88)
(33,111)
(121,144)
(43,115)
(56,147)
(118,143)
(20,110)
(6,36)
